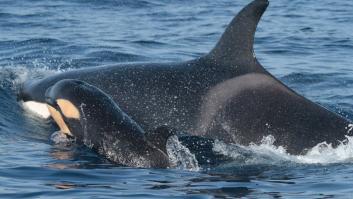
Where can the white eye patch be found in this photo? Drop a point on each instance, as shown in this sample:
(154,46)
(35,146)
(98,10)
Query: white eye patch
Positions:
(68,109)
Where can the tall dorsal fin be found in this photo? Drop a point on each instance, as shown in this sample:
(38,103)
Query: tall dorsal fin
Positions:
(235,48)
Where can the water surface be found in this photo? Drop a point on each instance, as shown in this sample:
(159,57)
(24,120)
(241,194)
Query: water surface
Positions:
(305,43)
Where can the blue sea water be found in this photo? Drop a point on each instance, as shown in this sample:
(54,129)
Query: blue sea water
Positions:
(307,44)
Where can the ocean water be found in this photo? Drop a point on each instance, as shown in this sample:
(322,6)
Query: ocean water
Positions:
(307,44)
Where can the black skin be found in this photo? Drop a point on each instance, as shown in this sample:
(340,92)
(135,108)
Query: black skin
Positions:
(225,95)
(102,125)
(200,146)
(156,94)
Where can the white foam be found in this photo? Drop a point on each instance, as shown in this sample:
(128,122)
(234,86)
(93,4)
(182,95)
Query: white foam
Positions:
(325,154)
(17,75)
(273,154)
(267,153)
(180,157)
(60,138)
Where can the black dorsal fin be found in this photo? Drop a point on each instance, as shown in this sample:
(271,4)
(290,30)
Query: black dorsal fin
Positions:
(159,137)
(235,48)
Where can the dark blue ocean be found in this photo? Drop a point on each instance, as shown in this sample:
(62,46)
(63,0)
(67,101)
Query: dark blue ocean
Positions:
(307,44)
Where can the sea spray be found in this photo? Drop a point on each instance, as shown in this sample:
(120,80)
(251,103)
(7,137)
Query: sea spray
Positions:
(267,153)
(180,157)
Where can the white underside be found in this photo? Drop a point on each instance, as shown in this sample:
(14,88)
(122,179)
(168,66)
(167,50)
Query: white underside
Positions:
(39,109)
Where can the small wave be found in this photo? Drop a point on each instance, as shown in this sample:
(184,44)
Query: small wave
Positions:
(60,138)
(33,42)
(325,153)
(312,78)
(23,16)
(109,56)
(119,3)
(7,15)
(269,154)
(11,77)
(180,157)
(150,43)
(265,153)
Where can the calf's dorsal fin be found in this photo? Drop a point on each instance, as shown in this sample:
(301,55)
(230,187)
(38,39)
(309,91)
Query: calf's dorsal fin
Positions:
(159,137)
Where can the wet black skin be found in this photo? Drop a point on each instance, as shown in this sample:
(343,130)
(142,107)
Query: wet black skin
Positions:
(224,95)
(103,125)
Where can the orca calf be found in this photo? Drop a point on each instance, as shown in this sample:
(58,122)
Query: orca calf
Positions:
(90,117)
(225,95)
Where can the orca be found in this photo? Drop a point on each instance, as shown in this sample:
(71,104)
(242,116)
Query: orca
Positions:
(226,94)
(91,117)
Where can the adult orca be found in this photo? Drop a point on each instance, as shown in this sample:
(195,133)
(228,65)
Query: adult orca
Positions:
(225,94)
